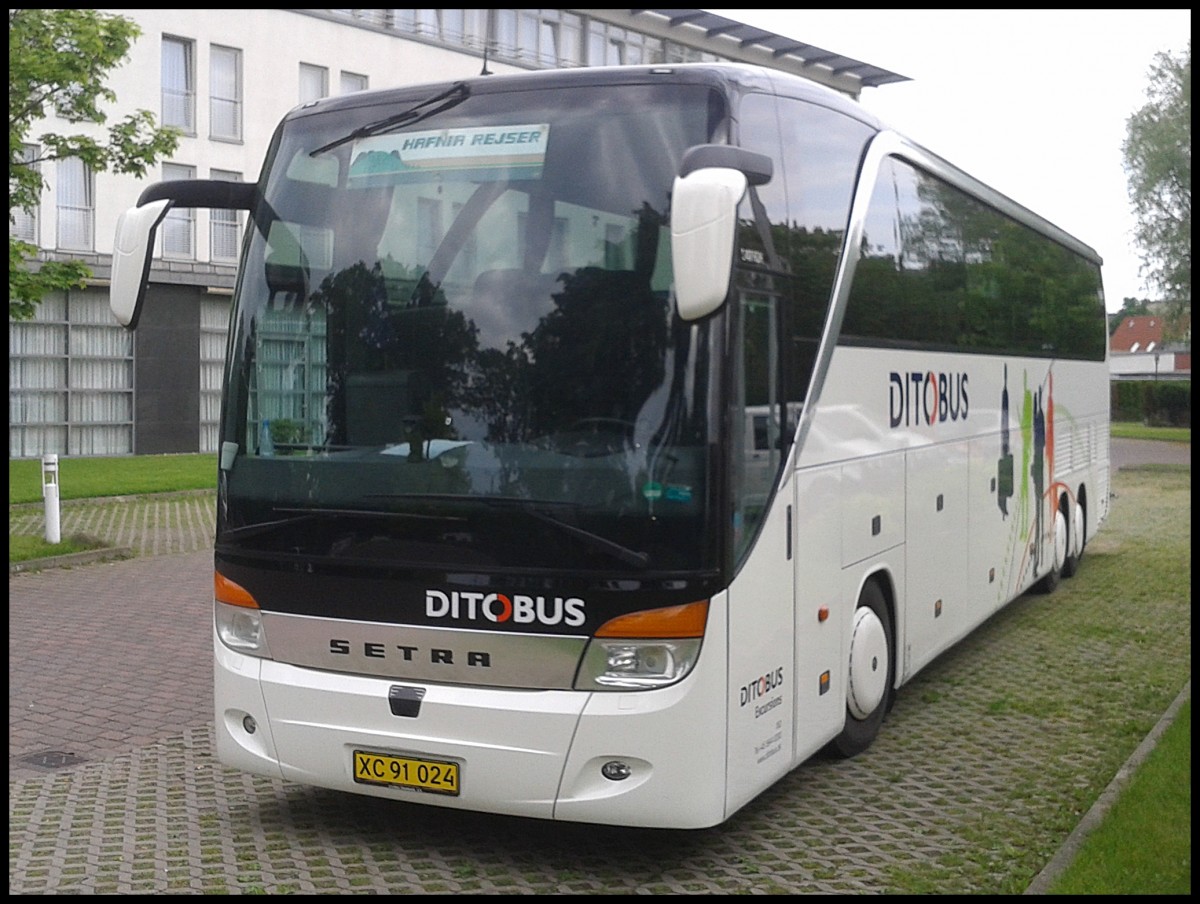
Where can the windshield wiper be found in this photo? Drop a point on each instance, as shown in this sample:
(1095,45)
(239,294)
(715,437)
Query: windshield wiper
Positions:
(301,515)
(532,508)
(451,97)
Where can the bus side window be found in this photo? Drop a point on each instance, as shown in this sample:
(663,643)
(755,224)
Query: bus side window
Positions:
(821,153)
(760,293)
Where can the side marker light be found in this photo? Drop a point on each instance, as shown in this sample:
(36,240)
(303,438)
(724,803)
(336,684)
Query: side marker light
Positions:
(615,771)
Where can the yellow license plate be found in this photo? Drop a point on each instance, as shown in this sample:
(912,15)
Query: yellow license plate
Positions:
(437,776)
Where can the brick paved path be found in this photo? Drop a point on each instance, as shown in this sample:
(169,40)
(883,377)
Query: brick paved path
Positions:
(149,525)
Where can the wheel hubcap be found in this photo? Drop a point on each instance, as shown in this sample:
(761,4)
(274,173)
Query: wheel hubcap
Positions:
(868,664)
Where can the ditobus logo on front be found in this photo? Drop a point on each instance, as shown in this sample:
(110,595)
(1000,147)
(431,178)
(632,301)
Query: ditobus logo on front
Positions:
(926,397)
(501,608)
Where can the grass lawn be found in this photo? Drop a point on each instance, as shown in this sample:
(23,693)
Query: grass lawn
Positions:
(1130,430)
(1144,846)
(22,548)
(130,475)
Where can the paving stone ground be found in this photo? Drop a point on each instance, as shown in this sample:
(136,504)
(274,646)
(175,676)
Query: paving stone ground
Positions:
(988,762)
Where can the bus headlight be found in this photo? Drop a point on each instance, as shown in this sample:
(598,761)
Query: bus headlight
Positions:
(650,648)
(241,630)
(238,618)
(629,664)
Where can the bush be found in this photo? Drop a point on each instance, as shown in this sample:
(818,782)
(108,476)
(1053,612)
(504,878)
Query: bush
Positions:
(1126,401)
(1167,404)
(1156,403)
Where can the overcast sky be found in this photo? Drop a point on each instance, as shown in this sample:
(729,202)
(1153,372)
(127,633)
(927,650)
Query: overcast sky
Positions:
(1032,102)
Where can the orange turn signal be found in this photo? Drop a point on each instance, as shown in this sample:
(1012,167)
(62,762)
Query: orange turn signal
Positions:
(227,591)
(670,621)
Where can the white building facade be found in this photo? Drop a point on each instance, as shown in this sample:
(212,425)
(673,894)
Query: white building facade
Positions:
(79,384)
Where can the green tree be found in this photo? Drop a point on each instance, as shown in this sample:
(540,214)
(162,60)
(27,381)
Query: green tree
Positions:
(1130,307)
(57,64)
(1158,162)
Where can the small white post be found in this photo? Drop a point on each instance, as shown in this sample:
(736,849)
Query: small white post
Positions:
(50,494)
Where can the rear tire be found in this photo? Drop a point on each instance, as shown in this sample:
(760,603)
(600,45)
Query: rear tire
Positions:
(1076,539)
(1059,551)
(870,675)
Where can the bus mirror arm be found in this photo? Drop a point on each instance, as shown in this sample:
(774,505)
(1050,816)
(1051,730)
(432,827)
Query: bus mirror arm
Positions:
(216,193)
(757,168)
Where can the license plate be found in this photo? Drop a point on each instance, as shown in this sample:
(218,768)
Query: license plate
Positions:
(436,776)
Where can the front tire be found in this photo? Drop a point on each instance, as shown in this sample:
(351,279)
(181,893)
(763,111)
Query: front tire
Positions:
(870,675)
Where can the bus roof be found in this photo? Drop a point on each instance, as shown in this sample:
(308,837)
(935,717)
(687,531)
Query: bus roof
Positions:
(734,77)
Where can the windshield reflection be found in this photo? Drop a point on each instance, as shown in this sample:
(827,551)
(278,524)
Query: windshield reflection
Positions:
(482,325)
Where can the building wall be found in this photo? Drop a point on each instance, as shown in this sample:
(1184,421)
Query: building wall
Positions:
(167,372)
(1150,365)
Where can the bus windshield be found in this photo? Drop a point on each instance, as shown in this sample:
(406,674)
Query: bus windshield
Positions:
(452,342)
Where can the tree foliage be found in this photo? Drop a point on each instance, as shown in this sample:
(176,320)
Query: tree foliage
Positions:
(57,65)
(1130,307)
(1158,162)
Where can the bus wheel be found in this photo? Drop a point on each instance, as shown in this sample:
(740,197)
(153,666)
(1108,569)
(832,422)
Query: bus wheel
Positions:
(1076,538)
(870,675)
(1059,551)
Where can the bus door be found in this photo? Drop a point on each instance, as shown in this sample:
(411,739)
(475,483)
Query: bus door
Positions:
(760,596)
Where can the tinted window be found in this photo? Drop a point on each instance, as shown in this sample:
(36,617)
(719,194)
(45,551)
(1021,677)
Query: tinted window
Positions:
(938,269)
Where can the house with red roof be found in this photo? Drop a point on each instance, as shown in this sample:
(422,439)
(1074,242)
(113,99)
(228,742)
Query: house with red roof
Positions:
(1137,350)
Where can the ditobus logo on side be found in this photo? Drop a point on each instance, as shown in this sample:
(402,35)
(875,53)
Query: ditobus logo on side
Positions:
(925,397)
(500,608)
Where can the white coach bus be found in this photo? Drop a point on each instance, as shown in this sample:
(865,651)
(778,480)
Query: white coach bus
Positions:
(599,445)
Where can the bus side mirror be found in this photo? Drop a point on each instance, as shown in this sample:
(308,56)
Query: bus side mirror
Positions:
(703,221)
(704,201)
(134,240)
(132,246)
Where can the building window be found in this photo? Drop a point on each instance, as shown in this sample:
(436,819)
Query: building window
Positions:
(179,84)
(70,372)
(352,81)
(76,205)
(214,325)
(24,224)
(550,37)
(314,82)
(453,24)
(225,93)
(179,225)
(609,45)
(467,27)
(417,21)
(678,53)
(225,227)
